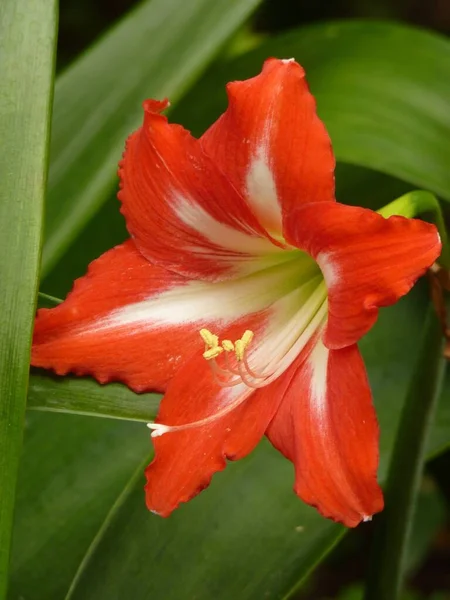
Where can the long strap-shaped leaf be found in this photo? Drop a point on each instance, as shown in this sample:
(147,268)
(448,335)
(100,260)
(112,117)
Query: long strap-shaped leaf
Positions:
(393,530)
(157,51)
(27,33)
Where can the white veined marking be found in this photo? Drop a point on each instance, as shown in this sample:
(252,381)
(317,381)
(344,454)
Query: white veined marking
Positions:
(262,191)
(220,234)
(329,268)
(318,363)
(200,301)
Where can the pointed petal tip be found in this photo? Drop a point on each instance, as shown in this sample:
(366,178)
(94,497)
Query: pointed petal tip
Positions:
(155,106)
(284,64)
(350,516)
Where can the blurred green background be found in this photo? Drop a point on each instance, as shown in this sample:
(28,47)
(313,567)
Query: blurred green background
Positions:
(81,21)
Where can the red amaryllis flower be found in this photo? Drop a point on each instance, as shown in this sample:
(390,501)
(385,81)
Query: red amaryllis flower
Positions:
(237,236)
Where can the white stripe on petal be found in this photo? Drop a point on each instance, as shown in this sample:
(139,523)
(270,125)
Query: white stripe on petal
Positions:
(262,192)
(220,234)
(329,268)
(318,362)
(224,302)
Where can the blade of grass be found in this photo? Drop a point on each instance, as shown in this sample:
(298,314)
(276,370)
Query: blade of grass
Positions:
(26,76)
(393,529)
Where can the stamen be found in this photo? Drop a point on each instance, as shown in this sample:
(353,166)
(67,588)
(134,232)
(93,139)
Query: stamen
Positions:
(247,337)
(218,373)
(229,366)
(209,338)
(212,352)
(228,345)
(242,370)
(253,373)
(239,349)
(241,345)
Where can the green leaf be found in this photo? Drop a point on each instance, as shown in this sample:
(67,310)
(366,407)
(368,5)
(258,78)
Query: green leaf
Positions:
(26,80)
(87,397)
(393,530)
(72,470)
(249,516)
(381,88)
(157,51)
(429,518)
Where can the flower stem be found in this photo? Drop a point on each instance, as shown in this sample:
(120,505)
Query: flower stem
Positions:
(392,533)
(417,203)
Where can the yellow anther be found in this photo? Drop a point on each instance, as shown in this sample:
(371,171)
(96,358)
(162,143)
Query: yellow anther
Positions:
(239,348)
(212,349)
(241,345)
(212,352)
(209,338)
(247,337)
(227,345)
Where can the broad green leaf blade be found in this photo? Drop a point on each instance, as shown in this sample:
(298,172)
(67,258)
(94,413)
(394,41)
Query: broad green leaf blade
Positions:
(72,468)
(87,397)
(249,516)
(388,563)
(382,89)
(157,51)
(26,89)
(429,519)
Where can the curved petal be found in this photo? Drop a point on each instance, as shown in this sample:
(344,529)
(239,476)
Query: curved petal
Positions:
(81,336)
(135,322)
(367,261)
(185,460)
(326,426)
(271,143)
(181,211)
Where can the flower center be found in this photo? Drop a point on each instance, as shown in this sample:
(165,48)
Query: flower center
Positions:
(235,368)
(295,314)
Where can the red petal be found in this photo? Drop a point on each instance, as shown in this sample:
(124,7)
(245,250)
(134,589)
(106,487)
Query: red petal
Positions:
(271,144)
(186,460)
(367,261)
(327,426)
(70,337)
(181,211)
